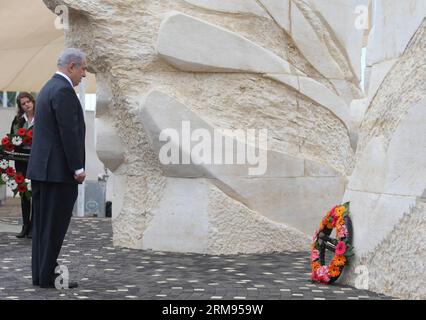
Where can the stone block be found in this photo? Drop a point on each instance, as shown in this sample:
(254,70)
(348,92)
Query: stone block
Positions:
(231,6)
(280,11)
(298,202)
(191,44)
(180,225)
(394,24)
(315,51)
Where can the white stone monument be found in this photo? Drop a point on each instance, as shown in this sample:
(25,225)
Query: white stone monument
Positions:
(292,67)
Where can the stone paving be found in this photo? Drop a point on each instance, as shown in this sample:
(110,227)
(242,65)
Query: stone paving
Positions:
(106,272)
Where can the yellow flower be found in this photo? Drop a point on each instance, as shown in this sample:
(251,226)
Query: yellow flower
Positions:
(339,211)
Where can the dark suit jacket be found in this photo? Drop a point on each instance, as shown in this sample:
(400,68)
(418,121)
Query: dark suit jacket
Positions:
(58,147)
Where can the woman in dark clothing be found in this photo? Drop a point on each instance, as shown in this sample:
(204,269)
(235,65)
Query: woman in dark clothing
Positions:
(24,119)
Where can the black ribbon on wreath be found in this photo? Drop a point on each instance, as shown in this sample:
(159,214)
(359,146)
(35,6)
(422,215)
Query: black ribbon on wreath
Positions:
(18,155)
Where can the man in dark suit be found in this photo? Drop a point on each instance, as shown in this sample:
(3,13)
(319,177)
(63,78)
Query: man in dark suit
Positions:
(56,165)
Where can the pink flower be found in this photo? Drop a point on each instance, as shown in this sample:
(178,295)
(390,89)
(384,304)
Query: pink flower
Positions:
(314,255)
(325,279)
(322,271)
(322,274)
(315,236)
(332,211)
(343,232)
(314,276)
(340,248)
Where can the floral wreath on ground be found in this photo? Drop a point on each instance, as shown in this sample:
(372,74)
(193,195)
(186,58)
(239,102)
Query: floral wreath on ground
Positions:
(15,180)
(338,218)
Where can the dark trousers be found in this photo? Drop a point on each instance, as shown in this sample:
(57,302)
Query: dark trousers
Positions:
(53,204)
(21,167)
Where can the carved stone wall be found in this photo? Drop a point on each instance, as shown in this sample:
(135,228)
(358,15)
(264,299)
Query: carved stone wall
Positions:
(390,173)
(287,66)
(291,67)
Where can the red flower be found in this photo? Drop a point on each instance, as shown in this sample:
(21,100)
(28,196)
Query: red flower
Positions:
(30,133)
(19,178)
(314,276)
(340,248)
(22,132)
(28,140)
(22,188)
(9,147)
(10,172)
(5,141)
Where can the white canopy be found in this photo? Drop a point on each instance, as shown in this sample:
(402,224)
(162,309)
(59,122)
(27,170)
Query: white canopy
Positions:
(29,46)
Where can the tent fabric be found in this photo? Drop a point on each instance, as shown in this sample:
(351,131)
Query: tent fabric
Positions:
(29,46)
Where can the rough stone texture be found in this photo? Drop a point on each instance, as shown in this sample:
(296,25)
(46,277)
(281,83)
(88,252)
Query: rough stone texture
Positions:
(247,231)
(403,87)
(396,266)
(280,193)
(300,123)
(342,21)
(233,6)
(390,175)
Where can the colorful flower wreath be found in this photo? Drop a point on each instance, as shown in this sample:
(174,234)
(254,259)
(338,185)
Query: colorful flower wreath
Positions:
(14,180)
(338,218)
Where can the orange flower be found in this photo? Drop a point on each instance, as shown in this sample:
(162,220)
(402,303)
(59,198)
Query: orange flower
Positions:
(340,221)
(315,266)
(339,211)
(339,261)
(334,271)
(324,223)
(330,225)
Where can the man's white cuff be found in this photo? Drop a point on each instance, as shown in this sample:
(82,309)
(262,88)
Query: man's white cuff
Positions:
(80,171)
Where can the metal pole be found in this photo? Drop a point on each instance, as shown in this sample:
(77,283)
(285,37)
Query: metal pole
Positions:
(81,192)
(82,93)
(4,99)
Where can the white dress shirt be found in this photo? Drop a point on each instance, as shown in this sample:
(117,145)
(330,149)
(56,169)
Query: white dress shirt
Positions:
(66,77)
(29,124)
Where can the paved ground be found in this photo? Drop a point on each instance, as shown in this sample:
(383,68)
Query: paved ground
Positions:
(10,208)
(105,272)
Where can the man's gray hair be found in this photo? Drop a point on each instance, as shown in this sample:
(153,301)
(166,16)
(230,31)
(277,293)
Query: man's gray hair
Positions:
(70,55)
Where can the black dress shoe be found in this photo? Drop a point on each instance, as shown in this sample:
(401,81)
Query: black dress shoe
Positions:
(23,232)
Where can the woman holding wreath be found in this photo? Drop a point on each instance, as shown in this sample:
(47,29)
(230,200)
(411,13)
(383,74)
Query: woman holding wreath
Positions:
(24,120)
